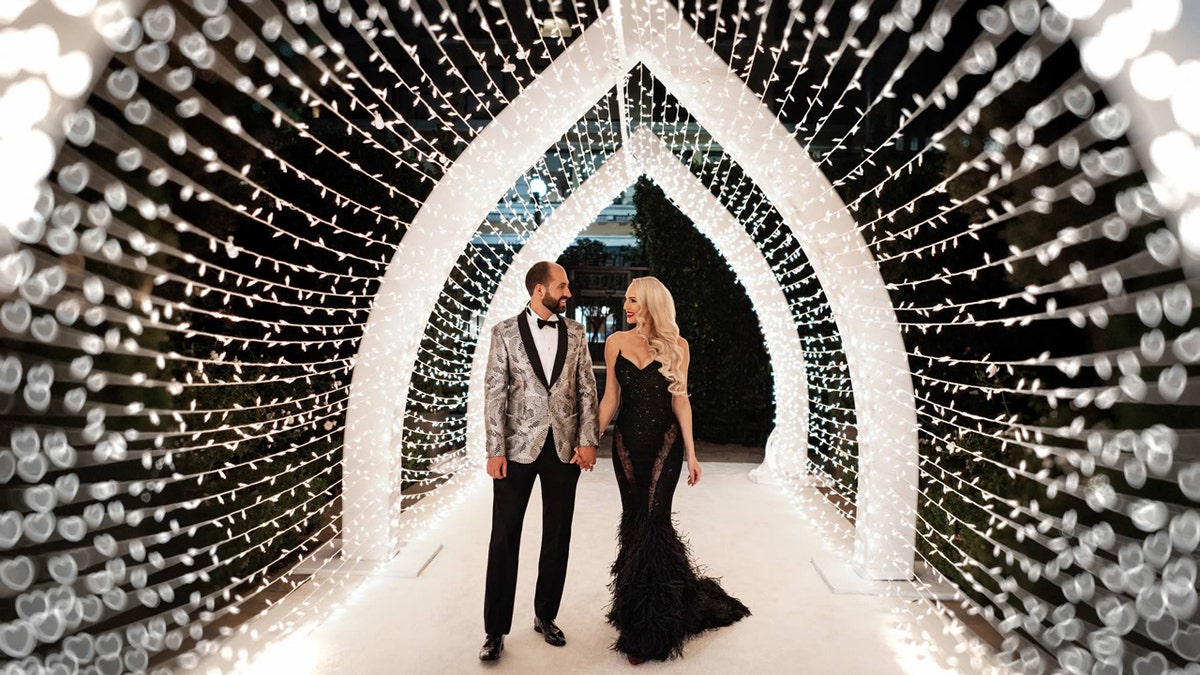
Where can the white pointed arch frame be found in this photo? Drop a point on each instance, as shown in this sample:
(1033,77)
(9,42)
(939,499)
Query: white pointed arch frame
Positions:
(1149,123)
(656,36)
(787,448)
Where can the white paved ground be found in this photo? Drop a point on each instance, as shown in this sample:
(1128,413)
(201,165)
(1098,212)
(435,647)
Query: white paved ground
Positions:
(756,539)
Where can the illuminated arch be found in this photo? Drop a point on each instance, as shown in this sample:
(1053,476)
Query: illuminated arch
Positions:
(645,154)
(658,37)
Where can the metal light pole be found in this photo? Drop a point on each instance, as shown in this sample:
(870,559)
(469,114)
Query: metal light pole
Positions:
(537,190)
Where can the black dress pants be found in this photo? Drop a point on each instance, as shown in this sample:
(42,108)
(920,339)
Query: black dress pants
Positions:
(510,497)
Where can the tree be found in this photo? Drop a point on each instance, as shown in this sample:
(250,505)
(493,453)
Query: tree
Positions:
(730,375)
(584,252)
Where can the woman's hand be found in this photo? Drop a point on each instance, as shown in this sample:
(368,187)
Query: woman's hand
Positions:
(693,470)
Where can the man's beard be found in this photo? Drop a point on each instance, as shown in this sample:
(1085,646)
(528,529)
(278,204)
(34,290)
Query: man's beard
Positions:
(552,304)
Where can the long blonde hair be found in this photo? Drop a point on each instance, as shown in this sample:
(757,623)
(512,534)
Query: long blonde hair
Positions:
(665,347)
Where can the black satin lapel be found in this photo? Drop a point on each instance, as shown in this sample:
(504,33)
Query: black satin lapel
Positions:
(531,349)
(561,357)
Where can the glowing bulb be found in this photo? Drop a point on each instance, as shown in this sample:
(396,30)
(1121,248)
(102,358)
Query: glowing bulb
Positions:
(1185,100)
(10,10)
(75,7)
(1159,15)
(1154,76)
(39,48)
(1189,231)
(71,74)
(16,203)
(1174,154)
(23,105)
(1077,9)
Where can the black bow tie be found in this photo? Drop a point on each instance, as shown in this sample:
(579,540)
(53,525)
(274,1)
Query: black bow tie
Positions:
(551,323)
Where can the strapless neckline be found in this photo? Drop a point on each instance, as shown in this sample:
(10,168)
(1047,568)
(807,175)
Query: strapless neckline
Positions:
(631,362)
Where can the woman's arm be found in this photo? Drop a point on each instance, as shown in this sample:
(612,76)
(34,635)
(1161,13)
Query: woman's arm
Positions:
(682,405)
(612,389)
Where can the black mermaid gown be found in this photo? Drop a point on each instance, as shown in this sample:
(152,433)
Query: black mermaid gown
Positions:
(659,598)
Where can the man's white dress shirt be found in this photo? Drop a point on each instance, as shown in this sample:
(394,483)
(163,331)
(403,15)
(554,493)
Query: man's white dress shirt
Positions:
(545,339)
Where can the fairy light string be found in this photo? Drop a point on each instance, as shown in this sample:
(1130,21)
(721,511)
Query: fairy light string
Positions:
(212,233)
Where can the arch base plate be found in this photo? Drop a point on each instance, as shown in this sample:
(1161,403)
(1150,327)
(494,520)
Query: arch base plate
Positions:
(841,578)
(763,475)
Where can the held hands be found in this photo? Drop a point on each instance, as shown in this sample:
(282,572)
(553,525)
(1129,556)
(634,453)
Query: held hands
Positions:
(585,457)
(693,470)
(497,467)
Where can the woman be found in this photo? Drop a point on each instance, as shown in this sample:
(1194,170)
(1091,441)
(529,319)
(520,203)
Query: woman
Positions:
(659,600)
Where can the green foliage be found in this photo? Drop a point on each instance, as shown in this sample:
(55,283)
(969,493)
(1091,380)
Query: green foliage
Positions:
(584,252)
(730,374)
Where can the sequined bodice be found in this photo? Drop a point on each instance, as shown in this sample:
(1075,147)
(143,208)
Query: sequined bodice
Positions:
(647,440)
(645,401)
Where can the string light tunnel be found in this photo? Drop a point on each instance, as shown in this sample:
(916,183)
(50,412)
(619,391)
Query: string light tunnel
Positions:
(248,248)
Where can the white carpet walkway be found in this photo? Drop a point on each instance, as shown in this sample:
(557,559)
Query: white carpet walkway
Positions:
(751,536)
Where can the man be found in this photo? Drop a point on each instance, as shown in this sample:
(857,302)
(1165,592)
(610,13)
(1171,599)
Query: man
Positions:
(541,423)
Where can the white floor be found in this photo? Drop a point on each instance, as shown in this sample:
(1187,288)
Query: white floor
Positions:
(756,539)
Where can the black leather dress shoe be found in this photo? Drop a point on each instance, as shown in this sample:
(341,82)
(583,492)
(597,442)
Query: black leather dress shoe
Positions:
(492,646)
(552,633)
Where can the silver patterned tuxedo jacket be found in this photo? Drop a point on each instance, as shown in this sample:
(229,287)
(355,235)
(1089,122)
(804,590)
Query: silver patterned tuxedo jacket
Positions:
(521,406)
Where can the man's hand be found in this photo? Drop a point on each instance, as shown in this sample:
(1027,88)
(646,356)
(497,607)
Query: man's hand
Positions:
(585,457)
(497,467)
